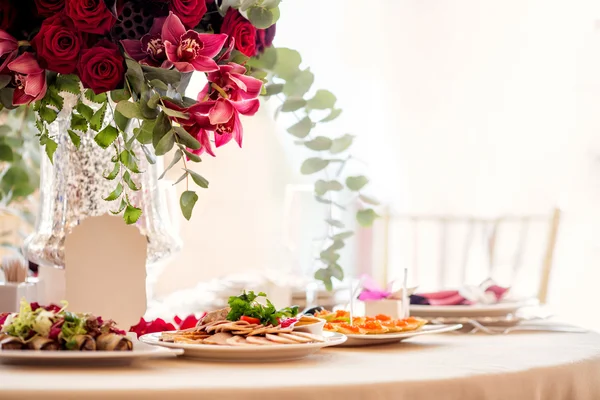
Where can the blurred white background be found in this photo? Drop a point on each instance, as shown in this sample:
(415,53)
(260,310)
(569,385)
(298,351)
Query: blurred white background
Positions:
(486,107)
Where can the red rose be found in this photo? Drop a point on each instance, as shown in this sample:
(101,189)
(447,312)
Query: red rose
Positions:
(8,15)
(190,12)
(58,44)
(47,8)
(264,38)
(244,33)
(101,68)
(90,16)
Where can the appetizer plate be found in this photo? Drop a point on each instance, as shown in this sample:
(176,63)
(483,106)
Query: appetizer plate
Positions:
(386,338)
(264,353)
(476,310)
(141,351)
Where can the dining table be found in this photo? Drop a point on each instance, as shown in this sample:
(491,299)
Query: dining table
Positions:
(455,366)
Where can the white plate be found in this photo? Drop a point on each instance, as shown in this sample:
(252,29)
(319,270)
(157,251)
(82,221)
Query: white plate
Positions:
(276,352)
(476,310)
(141,351)
(386,338)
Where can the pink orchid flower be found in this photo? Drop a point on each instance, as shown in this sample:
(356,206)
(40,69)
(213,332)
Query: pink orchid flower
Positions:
(150,49)
(190,50)
(231,79)
(9,48)
(201,131)
(223,116)
(29,79)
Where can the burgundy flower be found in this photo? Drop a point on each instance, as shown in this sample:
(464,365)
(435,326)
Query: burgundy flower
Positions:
(8,15)
(201,131)
(190,12)
(102,67)
(58,44)
(242,30)
(29,79)
(231,80)
(47,8)
(264,38)
(90,16)
(223,116)
(9,48)
(190,50)
(150,50)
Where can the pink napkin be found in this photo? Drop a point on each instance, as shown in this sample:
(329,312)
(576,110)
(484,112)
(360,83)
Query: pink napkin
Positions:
(453,297)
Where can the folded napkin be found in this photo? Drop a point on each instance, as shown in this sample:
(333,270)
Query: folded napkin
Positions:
(371,291)
(486,293)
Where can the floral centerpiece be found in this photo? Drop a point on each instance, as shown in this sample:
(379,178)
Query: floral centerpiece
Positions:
(127,64)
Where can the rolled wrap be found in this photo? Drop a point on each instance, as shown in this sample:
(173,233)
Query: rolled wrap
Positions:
(82,343)
(8,342)
(42,343)
(113,342)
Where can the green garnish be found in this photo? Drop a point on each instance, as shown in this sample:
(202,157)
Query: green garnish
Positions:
(245,304)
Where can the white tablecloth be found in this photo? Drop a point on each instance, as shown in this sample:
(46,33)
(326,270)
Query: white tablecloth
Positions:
(524,366)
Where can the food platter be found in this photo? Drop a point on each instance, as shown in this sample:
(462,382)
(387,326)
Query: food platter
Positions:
(277,352)
(387,338)
(141,351)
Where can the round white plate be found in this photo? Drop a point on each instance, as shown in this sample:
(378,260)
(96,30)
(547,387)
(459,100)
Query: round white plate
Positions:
(276,352)
(141,351)
(386,338)
(476,310)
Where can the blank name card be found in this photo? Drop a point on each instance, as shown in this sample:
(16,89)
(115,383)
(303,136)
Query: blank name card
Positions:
(105,267)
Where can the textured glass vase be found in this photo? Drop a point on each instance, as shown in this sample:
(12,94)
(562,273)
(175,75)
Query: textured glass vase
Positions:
(73,188)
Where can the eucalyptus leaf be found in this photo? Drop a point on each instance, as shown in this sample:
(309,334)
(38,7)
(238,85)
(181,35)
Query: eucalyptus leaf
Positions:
(165,144)
(121,121)
(343,235)
(4,81)
(131,214)
(175,114)
(129,109)
(368,200)
(302,128)
(161,128)
(301,84)
(198,179)
(322,100)
(188,140)
(324,275)
(191,156)
(119,95)
(115,194)
(106,136)
(313,165)
(145,132)
(323,200)
(150,157)
(341,144)
(168,76)
(336,112)
(273,89)
(336,245)
(337,272)
(287,64)
(135,76)
(322,187)
(6,153)
(329,256)
(356,183)
(366,217)
(319,143)
(335,223)
(158,84)
(182,177)
(187,202)
(261,17)
(176,158)
(293,104)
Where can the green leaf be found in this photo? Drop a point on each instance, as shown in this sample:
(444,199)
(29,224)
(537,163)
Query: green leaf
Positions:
(158,84)
(274,89)
(168,76)
(47,115)
(368,200)
(301,84)
(148,111)
(119,95)
(319,143)
(79,123)
(261,17)
(268,60)
(313,165)
(53,98)
(69,84)
(4,81)
(153,101)
(97,119)
(329,256)
(323,200)
(165,144)
(132,214)
(187,202)
(302,128)
(182,177)
(178,155)
(135,76)
(143,134)
(129,109)
(324,275)
(335,223)
(51,147)
(6,153)
(113,174)
(343,235)
(322,100)
(336,245)
(129,181)
(85,111)
(287,63)
(366,217)
(322,187)
(199,179)
(341,144)
(75,138)
(191,156)
(121,207)
(355,183)
(95,98)
(292,104)
(185,138)
(150,157)
(128,159)
(115,194)
(175,114)
(161,128)
(121,121)
(106,136)
(337,272)
(332,115)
